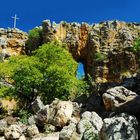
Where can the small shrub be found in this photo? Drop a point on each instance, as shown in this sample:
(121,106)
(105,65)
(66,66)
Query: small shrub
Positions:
(34,40)
(136,46)
(100,57)
(23,115)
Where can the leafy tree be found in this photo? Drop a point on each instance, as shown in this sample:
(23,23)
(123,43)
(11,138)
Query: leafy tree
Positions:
(49,73)
(54,54)
(34,40)
(24,74)
(59,69)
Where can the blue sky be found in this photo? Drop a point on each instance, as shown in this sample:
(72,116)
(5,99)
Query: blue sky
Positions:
(32,12)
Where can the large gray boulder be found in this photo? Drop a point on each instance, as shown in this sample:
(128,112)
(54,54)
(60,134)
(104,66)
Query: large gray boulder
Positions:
(120,127)
(90,123)
(67,131)
(117,96)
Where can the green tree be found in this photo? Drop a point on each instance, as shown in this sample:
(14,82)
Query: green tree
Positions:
(23,73)
(49,73)
(59,70)
(34,40)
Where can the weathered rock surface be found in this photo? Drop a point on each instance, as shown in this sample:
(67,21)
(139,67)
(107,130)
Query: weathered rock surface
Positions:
(12,41)
(117,96)
(32,130)
(72,126)
(90,123)
(68,131)
(58,113)
(2,138)
(52,136)
(14,132)
(3,125)
(98,47)
(37,105)
(120,127)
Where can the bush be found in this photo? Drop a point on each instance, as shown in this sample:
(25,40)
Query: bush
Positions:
(34,40)
(50,73)
(100,57)
(136,46)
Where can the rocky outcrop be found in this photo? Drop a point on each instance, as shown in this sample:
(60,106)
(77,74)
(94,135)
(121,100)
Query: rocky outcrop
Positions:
(120,127)
(89,126)
(98,47)
(117,96)
(13,41)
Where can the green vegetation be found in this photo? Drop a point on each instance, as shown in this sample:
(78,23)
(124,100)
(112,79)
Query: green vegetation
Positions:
(100,57)
(34,40)
(50,73)
(136,46)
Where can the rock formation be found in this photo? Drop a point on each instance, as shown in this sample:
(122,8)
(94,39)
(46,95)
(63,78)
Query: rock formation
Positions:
(120,127)
(98,47)
(13,40)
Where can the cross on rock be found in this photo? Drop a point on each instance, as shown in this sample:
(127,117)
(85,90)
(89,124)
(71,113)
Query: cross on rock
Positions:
(15,20)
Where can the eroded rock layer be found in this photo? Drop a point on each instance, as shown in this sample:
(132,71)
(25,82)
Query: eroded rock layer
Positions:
(13,40)
(105,49)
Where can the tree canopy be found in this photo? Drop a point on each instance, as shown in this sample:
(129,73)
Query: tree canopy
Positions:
(50,73)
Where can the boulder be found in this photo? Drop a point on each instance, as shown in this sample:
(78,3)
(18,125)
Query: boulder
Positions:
(32,131)
(22,138)
(2,138)
(48,128)
(117,96)
(37,105)
(58,113)
(120,127)
(67,132)
(90,123)
(76,110)
(3,125)
(42,116)
(51,136)
(63,113)
(31,120)
(13,132)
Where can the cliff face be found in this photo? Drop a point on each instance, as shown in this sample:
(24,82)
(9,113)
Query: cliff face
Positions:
(13,40)
(104,48)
